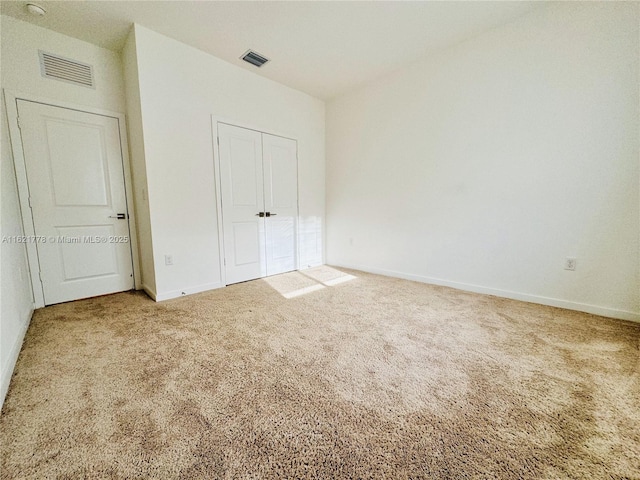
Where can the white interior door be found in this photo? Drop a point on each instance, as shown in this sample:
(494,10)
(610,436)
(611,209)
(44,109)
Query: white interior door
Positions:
(76,188)
(280,161)
(259,189)
(242,193)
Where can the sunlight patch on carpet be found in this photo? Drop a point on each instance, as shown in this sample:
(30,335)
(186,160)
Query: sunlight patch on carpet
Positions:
(328,276)
(295,284)
(303,291)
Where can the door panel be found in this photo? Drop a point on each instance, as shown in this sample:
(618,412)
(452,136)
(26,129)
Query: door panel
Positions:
(281,200)
(245,172)
(76,184)
(246,243)
(87,258)
(281,185)
(77,151)
(242,194)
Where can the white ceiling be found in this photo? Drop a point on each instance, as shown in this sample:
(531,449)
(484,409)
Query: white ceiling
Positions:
(322,48)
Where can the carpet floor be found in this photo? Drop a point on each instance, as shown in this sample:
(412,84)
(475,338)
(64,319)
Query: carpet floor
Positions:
(323,374)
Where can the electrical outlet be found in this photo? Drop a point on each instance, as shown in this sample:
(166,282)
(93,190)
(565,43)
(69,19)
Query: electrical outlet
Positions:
(570,263)
(168,259)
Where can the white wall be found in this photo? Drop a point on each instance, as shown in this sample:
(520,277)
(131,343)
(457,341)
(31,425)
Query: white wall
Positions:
(21,67)
(21,74)
(16,299)
(487,165)
(180,87)
(138,163)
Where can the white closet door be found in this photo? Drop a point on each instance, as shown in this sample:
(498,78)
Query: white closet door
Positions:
(77,195)
(241,176)
(281,202)
(259,190)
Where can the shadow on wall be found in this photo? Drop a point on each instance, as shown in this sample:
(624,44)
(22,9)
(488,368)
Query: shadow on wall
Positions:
(295,284)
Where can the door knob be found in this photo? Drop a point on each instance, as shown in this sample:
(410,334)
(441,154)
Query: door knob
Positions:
(119,216)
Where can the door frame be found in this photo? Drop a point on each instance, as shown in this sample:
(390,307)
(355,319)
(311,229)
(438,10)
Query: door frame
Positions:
(11,102)
(215,120)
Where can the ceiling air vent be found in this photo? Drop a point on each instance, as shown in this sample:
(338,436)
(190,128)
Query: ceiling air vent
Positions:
(254,58)
(66,70)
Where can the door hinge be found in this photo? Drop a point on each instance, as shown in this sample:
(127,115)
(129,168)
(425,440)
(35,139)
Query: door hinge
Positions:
(40,276)
(19,123)
(218,140)
(30,206)
(224,261)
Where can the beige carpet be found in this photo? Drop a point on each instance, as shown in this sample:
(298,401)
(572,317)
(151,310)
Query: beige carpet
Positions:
(323,375)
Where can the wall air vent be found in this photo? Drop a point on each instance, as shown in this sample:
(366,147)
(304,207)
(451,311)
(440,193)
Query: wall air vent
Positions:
(254,58)
(66,70)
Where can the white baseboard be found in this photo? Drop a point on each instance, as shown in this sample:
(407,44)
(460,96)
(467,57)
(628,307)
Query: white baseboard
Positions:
(7,370)
(158,297)
(525,297)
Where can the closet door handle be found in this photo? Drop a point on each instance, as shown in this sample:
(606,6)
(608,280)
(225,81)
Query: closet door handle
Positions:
(269,214)
(260,214)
